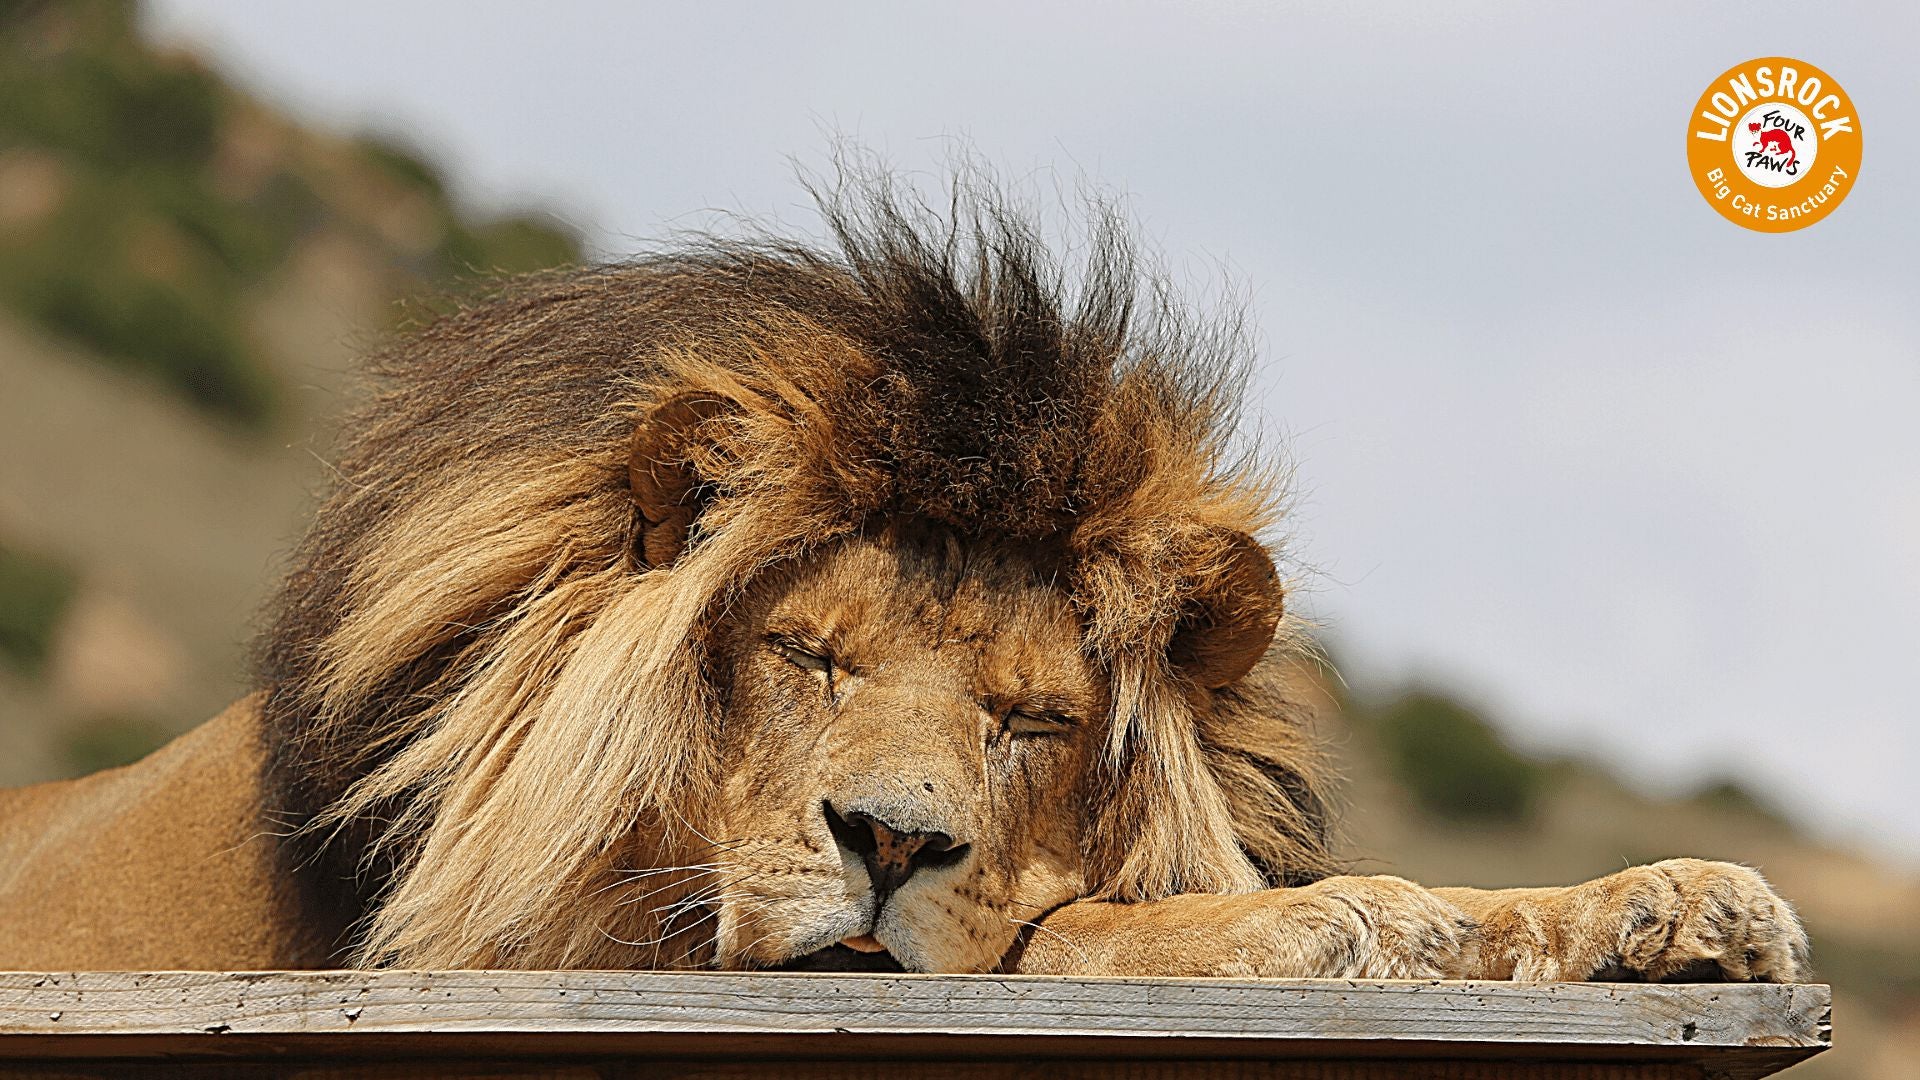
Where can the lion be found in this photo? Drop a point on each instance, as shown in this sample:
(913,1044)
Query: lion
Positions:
(898,606)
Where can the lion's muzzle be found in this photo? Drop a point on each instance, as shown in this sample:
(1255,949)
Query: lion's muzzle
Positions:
(891,854)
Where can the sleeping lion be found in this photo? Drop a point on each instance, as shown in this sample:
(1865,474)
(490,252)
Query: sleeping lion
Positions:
(899,606)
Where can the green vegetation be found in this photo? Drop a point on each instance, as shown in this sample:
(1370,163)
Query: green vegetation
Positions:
(1731,796)
(149,244)
(34,593)
(114,274)
(402,164)
(140,261)
(1453,761)
(516,244)
(109,742)
(103,98)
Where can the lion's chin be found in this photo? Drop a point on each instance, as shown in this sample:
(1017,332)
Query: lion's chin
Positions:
(841,958)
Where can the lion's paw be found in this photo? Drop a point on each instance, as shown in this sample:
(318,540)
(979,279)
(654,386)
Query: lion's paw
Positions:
(1676,921)
(1722,918)
(1387,928)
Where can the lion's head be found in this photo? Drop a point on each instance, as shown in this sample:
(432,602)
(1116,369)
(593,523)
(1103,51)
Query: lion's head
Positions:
(740,601)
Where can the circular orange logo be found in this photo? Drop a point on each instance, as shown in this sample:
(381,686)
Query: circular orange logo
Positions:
(1774,144)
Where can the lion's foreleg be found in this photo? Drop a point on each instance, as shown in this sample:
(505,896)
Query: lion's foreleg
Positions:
(1678,919)
(1344,927)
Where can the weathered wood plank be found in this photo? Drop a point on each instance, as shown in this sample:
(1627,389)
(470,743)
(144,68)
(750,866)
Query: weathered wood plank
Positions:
(1694,1014)
(1740,1030)
(650,1069)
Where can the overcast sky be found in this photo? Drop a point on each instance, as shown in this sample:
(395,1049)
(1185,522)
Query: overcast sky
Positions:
(1638,480)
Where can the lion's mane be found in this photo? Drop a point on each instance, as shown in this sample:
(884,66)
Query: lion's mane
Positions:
(484,706)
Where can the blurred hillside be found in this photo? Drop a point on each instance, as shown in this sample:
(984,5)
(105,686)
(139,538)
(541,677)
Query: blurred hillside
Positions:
(185,275)
(182,274)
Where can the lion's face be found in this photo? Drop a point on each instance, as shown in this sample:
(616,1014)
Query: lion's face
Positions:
(907,732)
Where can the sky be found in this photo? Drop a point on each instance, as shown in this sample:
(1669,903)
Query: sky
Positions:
(1640,482)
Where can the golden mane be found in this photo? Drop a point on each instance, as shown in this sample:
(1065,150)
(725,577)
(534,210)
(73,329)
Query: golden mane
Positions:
(485,705)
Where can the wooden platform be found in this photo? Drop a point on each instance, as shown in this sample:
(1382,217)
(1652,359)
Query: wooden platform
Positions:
(625,1024)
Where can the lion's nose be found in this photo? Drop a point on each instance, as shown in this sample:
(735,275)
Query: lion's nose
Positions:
(892,854)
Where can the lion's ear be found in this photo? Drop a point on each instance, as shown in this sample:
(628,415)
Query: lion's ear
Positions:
(660,472)
(1234,617)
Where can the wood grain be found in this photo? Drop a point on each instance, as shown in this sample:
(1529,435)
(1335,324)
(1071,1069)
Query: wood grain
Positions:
(704,1021)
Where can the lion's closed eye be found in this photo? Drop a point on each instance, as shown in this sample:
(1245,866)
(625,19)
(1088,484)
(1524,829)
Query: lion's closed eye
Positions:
(804,655)
(1036,721)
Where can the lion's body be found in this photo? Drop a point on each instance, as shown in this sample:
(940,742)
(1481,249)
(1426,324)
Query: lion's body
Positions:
(749,606)
(169,863)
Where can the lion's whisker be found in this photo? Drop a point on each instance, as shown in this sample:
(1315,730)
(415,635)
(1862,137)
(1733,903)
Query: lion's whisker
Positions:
(630,901)
(690,828)
(667,934)
(699,896)
(629,877)
(711,896)
(1078,953)
(769,935)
